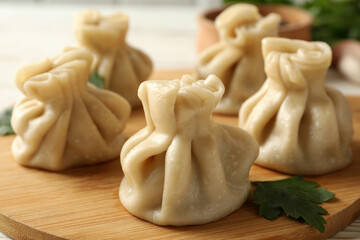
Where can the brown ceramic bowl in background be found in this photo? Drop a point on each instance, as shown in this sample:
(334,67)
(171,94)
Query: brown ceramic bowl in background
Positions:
(296,24)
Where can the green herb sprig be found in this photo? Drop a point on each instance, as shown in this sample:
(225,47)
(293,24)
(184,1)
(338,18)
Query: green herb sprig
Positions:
(5,122)
(96,79)
(295,197)
(334,20)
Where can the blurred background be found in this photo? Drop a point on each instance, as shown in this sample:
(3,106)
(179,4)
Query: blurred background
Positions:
(34,29)
(166,30)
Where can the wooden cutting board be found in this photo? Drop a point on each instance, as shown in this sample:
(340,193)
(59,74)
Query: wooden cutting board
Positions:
(83,203)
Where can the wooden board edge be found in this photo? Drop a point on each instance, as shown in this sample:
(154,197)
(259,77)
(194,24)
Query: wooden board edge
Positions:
(18,230)
(336,223)
(341,220)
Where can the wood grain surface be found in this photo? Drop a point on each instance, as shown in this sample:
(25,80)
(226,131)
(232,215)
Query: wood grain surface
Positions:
(83,203)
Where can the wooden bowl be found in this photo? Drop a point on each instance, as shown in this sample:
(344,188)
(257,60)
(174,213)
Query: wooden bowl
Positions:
(296,24)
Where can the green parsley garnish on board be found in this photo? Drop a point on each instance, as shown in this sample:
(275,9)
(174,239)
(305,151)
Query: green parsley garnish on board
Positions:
(295,197)
(96,79)
(5,122)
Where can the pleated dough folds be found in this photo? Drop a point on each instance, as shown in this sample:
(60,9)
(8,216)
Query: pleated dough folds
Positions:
(302,126)
(183,168)
(122,66)
(237,58)
(62,121)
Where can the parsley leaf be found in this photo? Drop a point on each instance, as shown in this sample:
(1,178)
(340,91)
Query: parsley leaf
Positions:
(5,125)
(297,198)
(96,79)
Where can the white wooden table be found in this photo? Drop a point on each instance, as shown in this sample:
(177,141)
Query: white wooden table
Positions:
(30,32)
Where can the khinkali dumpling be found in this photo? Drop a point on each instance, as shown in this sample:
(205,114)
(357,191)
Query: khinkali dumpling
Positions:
(183,168)
(302,126)
(63,121)
(237,58)
(122,66)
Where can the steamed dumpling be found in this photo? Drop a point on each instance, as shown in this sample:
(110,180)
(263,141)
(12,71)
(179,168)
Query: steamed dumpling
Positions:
(63,121)
(122,66)
(183,168)
(302,126)
(237,58)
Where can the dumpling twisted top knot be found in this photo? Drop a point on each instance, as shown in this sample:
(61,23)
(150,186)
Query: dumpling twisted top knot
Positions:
(98,32)
(239,21)
(293,60)
(187,97)
(70,68)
